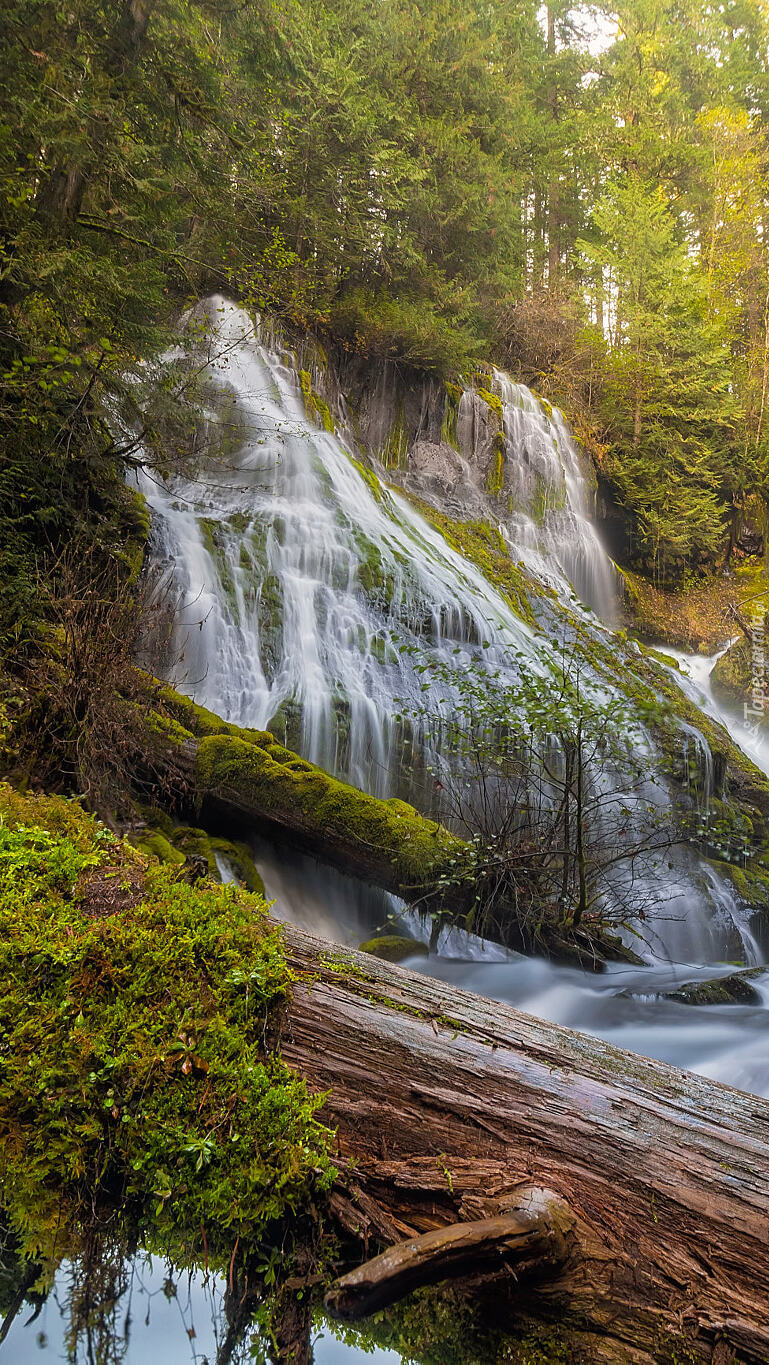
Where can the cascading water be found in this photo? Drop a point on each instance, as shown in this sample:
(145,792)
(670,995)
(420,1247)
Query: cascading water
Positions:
(309,597)
(306,592)
(548,522)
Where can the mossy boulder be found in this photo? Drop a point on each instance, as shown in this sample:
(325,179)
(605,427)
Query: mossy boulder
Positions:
(732,677)
(723,990)
(240,859)
(156,845)
(395,947)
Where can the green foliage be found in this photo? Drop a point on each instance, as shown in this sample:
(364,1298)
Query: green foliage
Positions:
(405,329)
(131,1043)
(670,409)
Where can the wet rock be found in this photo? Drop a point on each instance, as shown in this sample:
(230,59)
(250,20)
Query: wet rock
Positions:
(723,990)
(394,947)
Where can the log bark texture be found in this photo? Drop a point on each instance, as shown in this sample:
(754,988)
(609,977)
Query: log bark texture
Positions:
(447,1104)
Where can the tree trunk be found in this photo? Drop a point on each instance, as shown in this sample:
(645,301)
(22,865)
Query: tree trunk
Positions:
(448,1106)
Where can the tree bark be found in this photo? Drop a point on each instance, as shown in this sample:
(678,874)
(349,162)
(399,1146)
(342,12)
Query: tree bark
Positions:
(447,1105)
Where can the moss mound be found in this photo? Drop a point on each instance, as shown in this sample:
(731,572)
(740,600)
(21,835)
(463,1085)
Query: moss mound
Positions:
(132,1021)
(395,947)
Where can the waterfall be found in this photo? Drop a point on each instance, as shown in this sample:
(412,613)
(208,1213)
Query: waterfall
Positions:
(307,595)
(311,598)
(548,490)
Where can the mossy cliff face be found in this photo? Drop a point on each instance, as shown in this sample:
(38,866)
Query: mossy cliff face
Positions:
(132,1023)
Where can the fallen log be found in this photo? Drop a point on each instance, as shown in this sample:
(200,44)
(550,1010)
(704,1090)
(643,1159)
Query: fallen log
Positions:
(248,776)
(447,1106)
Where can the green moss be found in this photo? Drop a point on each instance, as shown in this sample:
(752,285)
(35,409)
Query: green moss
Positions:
(751,882)
(484,546)
(214,541)
(135,526)
(451,413)
(394,947)
(492,400)
(195,720)
(396,446)
(370,478)
(132,1053)
(661,658)
(156,845)
(286,724)
(373,576)
(496,475)
(269,613)
(732,677)
(242,863)
(194,843)
(547,498)
(316,406)
(276,779)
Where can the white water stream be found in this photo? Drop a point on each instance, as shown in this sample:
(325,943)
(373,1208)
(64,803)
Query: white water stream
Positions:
(308,598)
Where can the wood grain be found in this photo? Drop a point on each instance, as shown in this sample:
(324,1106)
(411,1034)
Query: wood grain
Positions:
(448,1103)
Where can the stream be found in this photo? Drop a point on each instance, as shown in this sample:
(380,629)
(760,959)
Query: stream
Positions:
(307,597)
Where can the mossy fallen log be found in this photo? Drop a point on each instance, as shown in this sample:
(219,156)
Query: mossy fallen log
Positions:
(447,1106)
(247,774)
(167,1043)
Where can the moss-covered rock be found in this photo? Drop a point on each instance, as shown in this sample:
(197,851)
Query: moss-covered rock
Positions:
(395,947)
(195,843)
(240,859)
(156,845)
(732,678)
(723,990)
